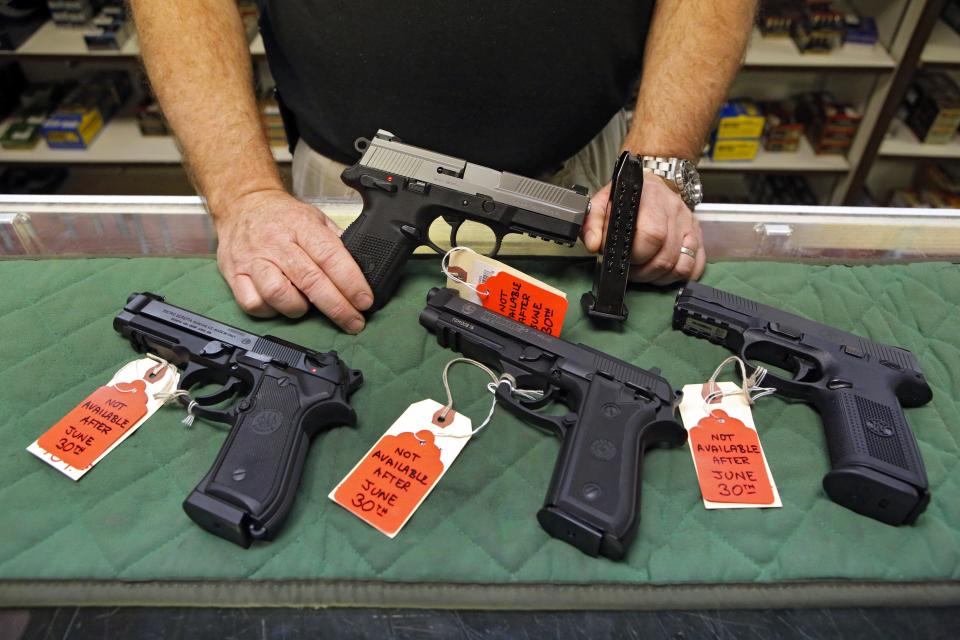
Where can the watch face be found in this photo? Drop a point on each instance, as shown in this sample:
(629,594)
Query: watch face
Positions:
(691,188)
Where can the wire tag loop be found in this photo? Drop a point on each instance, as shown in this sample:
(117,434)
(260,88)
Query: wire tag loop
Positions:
(750,387)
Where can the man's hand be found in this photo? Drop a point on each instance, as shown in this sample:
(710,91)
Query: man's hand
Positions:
(281,255)
(664,224)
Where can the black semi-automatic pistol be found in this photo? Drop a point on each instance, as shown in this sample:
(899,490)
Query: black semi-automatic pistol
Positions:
(405,188)
(857,386)
(286,393)
(617,411)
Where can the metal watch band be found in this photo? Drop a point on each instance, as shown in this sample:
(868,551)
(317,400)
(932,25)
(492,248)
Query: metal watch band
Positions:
(671,170)
(661,166)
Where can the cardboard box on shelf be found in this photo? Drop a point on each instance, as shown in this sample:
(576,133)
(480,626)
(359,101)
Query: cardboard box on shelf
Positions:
(783,130)
(72,129)
(830,125)
(739,119)
(932,105)
(741,150)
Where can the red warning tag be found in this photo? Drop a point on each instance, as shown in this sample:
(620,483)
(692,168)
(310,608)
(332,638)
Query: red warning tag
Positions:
(729,460)
(105,418)
(507,291)
(521,300)
(84,434)
(731,467)
(397,474)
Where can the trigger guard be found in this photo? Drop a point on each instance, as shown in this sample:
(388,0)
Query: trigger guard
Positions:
(228,390)
(433,245)
(199,406)
(193,375)
(527,410)
(770,379)
(496,244)
(534,405)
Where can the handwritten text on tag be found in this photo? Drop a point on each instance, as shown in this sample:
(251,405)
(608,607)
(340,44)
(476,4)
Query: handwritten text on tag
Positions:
(508,291)
(731,467)
(396,475)
(105,418)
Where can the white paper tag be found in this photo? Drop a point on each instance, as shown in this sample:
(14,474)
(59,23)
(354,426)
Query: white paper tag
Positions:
(401,469)
(106,417)
(731,467)
(505,290)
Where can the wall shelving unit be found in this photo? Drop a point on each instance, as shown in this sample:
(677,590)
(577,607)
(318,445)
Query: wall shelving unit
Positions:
(120,142)
(873,77)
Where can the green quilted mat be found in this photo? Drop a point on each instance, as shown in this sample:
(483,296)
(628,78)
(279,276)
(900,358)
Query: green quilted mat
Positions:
(119,534)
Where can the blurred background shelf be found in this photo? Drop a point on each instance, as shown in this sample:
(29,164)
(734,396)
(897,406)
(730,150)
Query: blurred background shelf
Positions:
(120,142)
(943,47)
(803,160)
(871,79)
(782,52)
(53,41)
(902,143)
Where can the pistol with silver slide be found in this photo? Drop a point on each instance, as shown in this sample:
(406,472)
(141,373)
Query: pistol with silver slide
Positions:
(405,188)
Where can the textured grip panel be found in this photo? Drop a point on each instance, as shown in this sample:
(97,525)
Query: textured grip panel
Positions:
(876,467)
(594,497)
(873,431)
(260,447)
(381,259)
(883,441)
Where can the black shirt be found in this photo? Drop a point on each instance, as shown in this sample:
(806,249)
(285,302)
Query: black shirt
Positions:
(518,86)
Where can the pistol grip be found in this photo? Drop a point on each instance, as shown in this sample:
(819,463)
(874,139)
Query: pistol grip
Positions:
(876,468)
(380,249)
(593,501)
(249,491)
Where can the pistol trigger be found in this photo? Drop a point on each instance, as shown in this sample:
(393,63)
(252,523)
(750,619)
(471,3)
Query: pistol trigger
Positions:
(803,368)
(227,391)
(496,246)
(215,415)
(554,424)
(454,230)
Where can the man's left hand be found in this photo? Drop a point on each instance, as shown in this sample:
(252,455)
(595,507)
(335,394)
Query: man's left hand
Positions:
(664,225)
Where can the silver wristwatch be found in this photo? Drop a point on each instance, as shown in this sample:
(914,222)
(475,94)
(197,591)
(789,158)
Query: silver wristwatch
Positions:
(679,172)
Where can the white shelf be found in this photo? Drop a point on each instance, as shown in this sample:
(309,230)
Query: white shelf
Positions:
(782,52)
(120,142)
(901,143)
(804,160)
(943,47)
(51,40)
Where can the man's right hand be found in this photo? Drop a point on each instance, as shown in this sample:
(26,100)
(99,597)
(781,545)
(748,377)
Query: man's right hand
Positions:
(281,255)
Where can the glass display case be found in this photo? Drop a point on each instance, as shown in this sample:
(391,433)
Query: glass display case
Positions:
(93,226)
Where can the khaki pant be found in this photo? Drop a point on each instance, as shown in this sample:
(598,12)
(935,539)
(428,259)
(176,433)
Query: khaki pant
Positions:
(315,176)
